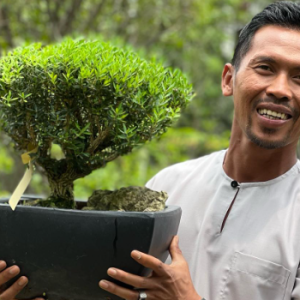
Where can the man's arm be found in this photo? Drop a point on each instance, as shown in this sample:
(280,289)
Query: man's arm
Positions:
(167,282)
(5,275)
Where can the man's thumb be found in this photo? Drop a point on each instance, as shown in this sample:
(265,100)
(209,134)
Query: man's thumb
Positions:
(175,251)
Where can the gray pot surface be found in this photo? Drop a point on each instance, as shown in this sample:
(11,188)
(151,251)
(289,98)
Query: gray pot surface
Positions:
(65,253)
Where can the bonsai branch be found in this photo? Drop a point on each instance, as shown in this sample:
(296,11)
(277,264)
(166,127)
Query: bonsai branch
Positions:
(30,129)
(99,139)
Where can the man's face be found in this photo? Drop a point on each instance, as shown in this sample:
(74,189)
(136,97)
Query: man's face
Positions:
(266,88)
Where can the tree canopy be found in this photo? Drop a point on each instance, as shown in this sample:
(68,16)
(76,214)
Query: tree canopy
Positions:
(96,101)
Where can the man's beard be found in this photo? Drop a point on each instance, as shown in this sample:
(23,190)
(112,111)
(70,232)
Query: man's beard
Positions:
(266,144)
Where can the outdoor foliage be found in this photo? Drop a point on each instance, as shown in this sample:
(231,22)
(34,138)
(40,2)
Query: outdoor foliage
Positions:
(94,100)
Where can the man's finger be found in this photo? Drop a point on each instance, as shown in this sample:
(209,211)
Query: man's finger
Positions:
(2,265)
(149,261)
(13,290)
(119,291)
(8,274)
(131,279)
(174,249)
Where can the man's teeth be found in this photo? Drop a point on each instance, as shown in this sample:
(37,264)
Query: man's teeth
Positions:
(273,115)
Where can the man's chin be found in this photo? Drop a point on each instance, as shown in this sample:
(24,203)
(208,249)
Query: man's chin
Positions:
(267,144)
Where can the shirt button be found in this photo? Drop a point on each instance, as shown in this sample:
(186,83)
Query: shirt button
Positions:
(234,184)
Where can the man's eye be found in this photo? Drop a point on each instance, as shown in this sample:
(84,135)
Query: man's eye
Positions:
(264,67)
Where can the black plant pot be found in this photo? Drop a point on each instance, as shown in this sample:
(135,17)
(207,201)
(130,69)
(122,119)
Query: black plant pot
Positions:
(66,252)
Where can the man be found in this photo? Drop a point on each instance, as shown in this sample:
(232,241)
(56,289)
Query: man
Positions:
(240,228)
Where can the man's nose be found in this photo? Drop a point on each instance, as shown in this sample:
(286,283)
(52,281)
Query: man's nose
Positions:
(280,87)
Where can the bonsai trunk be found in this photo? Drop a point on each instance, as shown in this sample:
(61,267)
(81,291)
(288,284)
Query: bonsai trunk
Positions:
(61,175)
(62,195)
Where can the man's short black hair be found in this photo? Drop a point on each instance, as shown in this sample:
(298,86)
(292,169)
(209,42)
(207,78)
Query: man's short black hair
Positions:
(284,13)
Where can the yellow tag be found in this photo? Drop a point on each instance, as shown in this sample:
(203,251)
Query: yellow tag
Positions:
(23,184)
(26,158)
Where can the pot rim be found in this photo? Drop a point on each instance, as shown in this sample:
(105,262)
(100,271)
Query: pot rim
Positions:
(168,208)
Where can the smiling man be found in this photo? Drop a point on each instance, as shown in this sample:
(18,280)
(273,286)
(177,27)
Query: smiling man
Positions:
(240,228)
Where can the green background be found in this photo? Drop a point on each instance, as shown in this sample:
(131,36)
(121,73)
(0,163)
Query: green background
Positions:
(197,36)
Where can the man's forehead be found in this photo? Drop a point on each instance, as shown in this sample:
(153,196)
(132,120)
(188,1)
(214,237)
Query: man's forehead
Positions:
(271,42)
(268,33)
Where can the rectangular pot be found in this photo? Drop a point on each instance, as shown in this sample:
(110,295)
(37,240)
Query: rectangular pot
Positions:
(65,253)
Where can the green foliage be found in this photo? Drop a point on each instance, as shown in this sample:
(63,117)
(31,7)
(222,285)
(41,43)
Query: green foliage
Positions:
(6,162)
(6,166)
(94,100)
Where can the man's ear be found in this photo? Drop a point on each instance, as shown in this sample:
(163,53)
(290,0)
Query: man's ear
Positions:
(227,80)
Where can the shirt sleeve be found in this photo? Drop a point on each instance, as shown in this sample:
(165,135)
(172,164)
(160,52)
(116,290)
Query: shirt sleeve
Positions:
(296,289)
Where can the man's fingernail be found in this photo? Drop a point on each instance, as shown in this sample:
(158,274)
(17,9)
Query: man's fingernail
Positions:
(103,284)
(13,271)
(137,255)
(112,272)
(22,281)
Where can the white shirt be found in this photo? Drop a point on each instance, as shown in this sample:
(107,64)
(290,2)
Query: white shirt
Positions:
(256,256)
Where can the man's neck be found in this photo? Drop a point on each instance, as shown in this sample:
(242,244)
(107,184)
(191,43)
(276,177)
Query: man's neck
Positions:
(247,162)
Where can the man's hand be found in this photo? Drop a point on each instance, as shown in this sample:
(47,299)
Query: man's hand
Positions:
(167,282)
(5,275)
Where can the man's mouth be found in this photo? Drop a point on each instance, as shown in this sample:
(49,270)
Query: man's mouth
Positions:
(273,115)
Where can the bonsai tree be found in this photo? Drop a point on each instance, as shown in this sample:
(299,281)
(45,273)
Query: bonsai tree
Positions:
(94,100)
